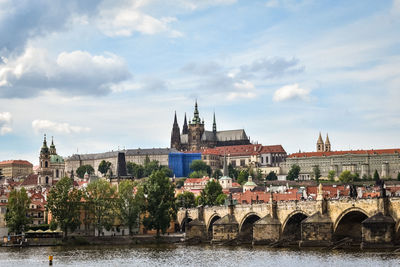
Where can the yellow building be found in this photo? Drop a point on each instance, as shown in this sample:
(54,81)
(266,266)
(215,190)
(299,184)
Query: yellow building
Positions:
(16,168)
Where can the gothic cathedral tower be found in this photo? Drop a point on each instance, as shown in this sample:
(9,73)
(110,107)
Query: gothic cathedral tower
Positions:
(176,135)
(196,130)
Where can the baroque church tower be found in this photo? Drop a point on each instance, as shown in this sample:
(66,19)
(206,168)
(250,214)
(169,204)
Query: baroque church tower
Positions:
(45,173)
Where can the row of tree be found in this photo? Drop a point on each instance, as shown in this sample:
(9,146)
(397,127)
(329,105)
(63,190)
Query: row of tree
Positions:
(133,169)
(103,205)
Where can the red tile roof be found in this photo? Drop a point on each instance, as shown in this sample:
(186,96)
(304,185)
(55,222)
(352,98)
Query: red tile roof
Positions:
(250,197)
(196,180)
(23,162)
(352,152)
(30,180)
(244,150)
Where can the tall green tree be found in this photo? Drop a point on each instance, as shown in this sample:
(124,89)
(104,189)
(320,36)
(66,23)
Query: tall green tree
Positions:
(331,175)
(186,200)
(160,204)
(271,176)
(83,169)
(376,175)
(129,205)
(64,203)
(199,165)
(259,175)
(101,199)
(150,167)
(217,173)
(17,209)
(346,177)
(233,173)
(293,172)
(104,166)
(316,172)
(210,193)
(242,176)
(136,170)
(198,174)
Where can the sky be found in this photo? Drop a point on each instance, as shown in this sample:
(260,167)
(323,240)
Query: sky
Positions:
(102,75)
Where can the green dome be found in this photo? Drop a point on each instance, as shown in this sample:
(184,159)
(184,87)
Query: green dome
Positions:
(56,159)
(250,183)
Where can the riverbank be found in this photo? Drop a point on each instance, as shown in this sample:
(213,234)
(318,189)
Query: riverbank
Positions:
(124,240)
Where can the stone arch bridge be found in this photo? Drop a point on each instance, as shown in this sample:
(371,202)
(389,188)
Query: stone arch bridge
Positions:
(372,222)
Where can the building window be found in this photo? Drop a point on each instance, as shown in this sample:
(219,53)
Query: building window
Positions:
(233,162)
(262,160)
(47,179)
(46,164)
(242,162)
(57,173)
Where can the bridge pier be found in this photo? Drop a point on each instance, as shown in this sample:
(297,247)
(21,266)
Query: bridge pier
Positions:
(316,231)
(225,229)
(378,231)
(266,230)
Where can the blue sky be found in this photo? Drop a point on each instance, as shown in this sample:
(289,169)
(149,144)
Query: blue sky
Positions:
(103,74)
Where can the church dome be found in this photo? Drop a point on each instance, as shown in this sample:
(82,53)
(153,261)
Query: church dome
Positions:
(56,159)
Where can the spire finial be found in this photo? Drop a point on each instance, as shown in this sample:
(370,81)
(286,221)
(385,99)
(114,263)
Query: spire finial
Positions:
(175,120)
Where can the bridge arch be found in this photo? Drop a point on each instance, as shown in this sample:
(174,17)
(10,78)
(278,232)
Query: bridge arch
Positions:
(213,218)
(349,224)
(246,226)
(291,228)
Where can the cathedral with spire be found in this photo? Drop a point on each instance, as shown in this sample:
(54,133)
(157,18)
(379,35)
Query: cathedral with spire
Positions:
(194,136)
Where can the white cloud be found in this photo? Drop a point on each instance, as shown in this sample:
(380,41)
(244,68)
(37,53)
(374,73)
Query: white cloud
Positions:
(59,127)
(5,123)
(238,95)
(128,18)
(244,84)
(289,92)
(76,73)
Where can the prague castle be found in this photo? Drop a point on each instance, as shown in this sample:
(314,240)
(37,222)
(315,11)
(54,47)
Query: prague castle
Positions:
(194,136)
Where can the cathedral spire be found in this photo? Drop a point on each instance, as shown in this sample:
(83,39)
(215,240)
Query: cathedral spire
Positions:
(196,117)
(214,125)
(185,129)
(175,120)
(176,134)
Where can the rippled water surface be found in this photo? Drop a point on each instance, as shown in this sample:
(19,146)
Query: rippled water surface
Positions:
(182,255)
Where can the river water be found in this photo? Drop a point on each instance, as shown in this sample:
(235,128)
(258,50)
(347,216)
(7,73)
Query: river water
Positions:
(182,255)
